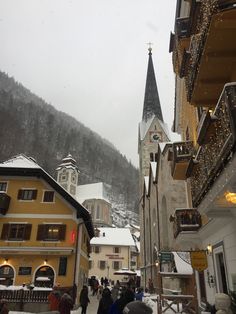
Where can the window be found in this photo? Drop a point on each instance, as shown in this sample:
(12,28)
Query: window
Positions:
(62,266)
(48,196)
(116,265)
(98,212)
(90,264)
(51,232)
(3,186)
(97,249)
(102,264)
(116,249)
(27,194)
(16,232)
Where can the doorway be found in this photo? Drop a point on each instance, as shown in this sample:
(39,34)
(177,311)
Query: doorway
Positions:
(220,269)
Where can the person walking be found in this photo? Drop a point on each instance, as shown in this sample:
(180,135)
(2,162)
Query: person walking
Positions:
(54,298)
(139,294)
(65,304)
(84,299)
(105,303)
(126,296)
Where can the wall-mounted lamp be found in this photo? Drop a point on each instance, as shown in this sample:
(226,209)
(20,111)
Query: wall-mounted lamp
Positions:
(230,197)
(209,249)
(157,263)
(6,261)
(45,262)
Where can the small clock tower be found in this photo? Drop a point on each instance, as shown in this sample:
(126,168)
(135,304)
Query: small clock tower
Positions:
(68,174)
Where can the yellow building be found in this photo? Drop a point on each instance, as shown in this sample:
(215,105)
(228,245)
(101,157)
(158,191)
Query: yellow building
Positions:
(44,231)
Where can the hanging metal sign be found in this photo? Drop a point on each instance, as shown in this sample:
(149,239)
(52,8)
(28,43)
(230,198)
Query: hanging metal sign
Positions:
(199,260)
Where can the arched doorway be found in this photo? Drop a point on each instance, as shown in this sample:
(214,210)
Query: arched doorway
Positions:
(44,277)
(6,275)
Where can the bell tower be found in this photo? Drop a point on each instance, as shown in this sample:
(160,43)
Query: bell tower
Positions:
(152,128)
(68,174)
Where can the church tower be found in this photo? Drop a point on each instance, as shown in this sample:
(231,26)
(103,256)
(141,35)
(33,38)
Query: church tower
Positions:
(152,128)
(67,174)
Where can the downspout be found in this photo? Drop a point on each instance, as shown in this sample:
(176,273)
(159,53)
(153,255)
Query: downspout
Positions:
(77,255)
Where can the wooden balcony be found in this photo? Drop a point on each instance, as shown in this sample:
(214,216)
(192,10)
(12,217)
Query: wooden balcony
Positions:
(182,153)
(4,203)
(205,127)
(212,51)
(214,154)
(186,220)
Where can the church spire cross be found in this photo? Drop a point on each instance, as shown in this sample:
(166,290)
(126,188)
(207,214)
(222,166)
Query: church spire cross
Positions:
(150,47)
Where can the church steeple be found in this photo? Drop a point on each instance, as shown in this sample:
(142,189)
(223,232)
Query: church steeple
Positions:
(151,104)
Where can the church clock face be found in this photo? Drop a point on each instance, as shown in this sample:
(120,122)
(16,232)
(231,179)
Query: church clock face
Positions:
(155,137)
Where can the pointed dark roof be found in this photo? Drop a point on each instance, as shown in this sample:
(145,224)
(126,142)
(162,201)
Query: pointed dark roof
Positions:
(151,104)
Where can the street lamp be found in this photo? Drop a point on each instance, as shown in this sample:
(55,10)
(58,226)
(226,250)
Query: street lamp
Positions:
(108,271)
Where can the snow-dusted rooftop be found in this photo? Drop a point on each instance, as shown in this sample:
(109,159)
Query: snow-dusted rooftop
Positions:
(114,236)
(91,191)
(20,161)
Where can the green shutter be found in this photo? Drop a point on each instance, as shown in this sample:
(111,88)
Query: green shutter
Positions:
(34,196)
(62,232)
(19,197)
(40,233)
(5,230)
(27,234)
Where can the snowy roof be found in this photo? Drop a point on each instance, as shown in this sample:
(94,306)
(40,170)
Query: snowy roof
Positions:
(165,128)
(144,126)
(20,161)
(23,165)
(92,191)
(114,236)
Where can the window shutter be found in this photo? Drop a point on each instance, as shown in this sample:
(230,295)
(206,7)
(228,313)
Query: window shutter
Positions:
(34,195)
(5,229)
(27,234)
(40,233)
(62,232)
(19,197)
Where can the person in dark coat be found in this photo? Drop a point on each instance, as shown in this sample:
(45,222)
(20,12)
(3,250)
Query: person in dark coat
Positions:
(84,299)
(105,302)
(65,304)
(126,296)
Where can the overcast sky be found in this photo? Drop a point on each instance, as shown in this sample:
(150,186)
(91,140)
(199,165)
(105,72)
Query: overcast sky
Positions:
(89,58)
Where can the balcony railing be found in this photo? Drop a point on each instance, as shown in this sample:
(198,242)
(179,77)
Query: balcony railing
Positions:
(197,42)
(24,296)
(182,153)
(213,155)
(187,219)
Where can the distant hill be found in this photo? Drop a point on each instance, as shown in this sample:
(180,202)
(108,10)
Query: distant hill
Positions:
(31,126)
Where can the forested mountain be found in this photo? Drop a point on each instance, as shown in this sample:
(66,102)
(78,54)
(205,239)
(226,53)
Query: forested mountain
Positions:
(31,126)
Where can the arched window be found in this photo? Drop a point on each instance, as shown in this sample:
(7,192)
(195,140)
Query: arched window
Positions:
(6,275)
(44,277)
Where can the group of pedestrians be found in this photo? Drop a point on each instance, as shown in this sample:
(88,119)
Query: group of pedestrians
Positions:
(61,303)
(118,300)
